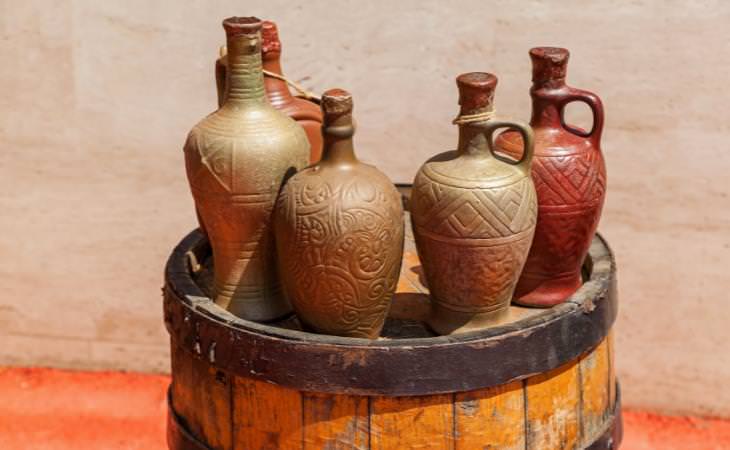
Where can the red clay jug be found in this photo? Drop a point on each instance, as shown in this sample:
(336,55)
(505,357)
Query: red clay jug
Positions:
(570,179)
(305,112)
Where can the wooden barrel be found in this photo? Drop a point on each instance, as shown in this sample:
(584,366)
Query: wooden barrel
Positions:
(543,380)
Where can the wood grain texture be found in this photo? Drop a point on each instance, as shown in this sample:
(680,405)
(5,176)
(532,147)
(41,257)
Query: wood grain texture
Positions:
(553,401)
(212,391)
(266,416)
(595,407)
(492,418)
(566,408)
(201,394)
(335,422)
(182,387)
(414,423)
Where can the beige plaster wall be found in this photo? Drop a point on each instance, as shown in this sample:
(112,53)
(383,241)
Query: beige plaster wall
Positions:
(97,97)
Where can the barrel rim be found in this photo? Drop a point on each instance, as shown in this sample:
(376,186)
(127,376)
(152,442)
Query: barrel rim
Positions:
(180,283)
(401,367)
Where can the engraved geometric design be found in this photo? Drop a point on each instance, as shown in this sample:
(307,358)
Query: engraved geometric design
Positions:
(577,179)
(472,240)
(570,180)
(454,272)
(560,243)
(474,213)
(340,243)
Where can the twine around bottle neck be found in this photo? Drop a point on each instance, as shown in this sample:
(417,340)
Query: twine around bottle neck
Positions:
(304,93)
(472,140)
(465,119)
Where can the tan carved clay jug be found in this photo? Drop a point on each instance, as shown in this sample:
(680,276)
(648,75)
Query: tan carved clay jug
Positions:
(236,160)
(339,234)
(570,179)
(473,216)
(305,112)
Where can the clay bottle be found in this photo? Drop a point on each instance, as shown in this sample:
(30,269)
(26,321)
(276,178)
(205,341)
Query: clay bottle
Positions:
(570,179)
(473,216)
(236,160)
(339,234)
(305,112)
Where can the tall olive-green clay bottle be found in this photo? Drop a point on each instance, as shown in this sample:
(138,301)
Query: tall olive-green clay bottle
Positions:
(236,160)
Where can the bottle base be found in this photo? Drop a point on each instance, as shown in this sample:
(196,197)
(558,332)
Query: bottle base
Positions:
(546,292)
(268,311)
(445,321)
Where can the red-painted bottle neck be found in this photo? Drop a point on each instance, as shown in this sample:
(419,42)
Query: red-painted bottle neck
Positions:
(546,107)
(276,90)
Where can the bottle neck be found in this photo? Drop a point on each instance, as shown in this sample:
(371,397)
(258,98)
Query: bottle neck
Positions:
(546,109)
(244,75)
(472,121)
(276,90)
(338,151)
(472,140)
(338,148)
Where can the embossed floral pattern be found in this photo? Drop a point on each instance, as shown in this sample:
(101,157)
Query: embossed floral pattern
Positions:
(340,248)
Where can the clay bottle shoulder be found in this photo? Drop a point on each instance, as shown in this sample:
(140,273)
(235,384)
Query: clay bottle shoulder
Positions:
(357,170)
(345,185)
(470,172)
(548,142)
(300,109)
(248,123)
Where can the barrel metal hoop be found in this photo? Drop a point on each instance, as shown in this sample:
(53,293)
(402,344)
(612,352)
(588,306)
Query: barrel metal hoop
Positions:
(178,435)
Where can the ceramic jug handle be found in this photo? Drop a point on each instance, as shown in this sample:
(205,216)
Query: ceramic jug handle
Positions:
(220,75)
(592,100)
(528,141)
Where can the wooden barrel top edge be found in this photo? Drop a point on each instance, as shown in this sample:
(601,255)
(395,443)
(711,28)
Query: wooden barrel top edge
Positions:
(310,362)
(179,281)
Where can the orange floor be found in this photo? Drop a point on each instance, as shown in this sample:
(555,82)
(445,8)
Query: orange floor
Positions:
(48,409)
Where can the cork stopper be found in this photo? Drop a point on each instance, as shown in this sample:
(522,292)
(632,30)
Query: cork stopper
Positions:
(549,65)
(270,37)
(337,128)
(236,26)
(335,104)
(337,122)
(476,92)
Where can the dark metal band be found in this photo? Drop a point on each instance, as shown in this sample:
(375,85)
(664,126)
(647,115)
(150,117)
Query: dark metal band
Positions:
(179,438)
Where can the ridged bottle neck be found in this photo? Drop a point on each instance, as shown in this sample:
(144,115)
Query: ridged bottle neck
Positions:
(277,90)
(244,72)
